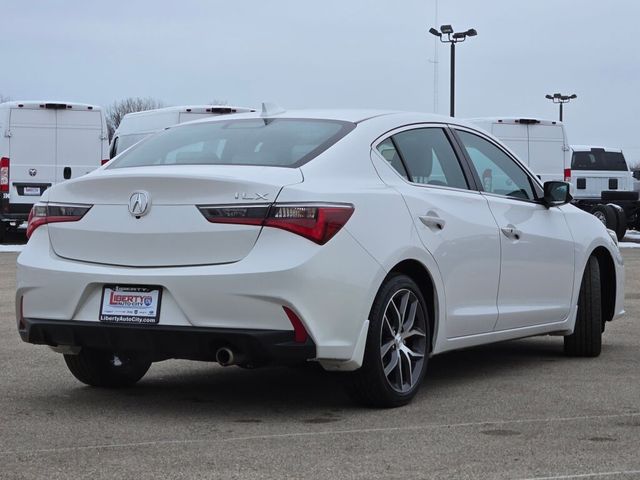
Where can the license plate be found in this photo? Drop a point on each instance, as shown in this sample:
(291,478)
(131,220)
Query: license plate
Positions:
(130,304)
(31,190)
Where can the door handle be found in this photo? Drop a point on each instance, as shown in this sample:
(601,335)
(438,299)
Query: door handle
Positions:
(433,221)
(511,232)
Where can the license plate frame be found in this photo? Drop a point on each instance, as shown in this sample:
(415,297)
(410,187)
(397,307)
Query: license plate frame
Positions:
(31,191)
(130,304)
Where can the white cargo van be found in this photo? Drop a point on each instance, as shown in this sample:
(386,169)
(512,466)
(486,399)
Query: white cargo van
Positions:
(601,181)
(136,126)
(599,169)
(541,144)
(43,143)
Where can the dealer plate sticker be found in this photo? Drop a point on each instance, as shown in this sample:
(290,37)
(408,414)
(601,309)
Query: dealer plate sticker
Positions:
(130,304)
(32,190)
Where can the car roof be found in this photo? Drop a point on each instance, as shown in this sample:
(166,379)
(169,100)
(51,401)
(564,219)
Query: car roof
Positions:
(36,104)
(511,120)
(587,148)
(189,109)
(345,115)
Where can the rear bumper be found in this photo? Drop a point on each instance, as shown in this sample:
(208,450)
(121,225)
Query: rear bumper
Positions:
(330,288)
(163,342)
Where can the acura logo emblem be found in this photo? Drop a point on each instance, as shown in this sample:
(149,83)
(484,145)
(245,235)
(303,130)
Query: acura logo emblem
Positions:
(138,203)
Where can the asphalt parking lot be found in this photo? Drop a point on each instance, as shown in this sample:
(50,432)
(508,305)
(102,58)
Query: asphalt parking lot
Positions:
(514,410)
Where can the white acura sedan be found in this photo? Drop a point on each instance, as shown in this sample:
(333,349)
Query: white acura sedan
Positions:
(366,241)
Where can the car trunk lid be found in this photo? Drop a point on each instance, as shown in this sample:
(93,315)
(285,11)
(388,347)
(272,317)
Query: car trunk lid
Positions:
(171,231)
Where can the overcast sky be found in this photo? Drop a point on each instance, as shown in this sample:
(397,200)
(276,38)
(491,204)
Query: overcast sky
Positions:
(336,53)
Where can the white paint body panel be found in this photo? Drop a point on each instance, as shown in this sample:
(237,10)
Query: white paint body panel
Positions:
(541,146)
(596,181)
(331,287)
(46,141)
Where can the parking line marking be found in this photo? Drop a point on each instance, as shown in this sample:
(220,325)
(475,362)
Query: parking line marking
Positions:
(586,475)
(322,433)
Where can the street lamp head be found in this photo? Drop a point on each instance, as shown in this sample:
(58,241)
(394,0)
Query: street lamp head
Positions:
(550,97)
(572,96)
(460,35)
(471,32)
(435,32)
(446,29)
(557,95)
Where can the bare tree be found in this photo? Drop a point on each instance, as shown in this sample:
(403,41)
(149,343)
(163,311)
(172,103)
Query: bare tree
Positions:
(119,109)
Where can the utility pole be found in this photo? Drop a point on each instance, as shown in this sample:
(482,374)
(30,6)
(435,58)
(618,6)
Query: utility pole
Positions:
(452,38)
(561,99)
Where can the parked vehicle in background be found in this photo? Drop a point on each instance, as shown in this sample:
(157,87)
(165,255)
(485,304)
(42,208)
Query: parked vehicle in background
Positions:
(604,186)
(366,241)
(43,143)
(540,144)
(606,190)
(599,169)
(138,125)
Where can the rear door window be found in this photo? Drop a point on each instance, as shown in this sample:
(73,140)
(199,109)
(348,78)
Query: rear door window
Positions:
(262,142)
(429,158)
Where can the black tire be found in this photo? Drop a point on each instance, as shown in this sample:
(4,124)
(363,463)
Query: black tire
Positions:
(586,339)
(100,368)
(621,221)
(369,385)
(3,230)
(607,215)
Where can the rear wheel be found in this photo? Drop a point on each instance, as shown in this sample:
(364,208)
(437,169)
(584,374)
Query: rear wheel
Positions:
(100,368)
(607,215)
(396,354)
(586,339)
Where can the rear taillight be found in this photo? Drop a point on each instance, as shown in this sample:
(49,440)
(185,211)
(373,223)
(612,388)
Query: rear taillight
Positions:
(567,174)
(4,174)
(102,162)
(43,213)
(318,223)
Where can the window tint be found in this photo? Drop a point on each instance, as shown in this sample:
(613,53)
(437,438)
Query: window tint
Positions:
(429,157)
(388,150)
(498,172)
(125,141)
(598,159)
(264,142)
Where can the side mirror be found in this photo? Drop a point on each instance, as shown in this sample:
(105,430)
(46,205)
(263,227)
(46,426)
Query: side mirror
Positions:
(556,193)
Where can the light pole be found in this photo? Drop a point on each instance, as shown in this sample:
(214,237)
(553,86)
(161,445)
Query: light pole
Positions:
(561,99)
(452,38)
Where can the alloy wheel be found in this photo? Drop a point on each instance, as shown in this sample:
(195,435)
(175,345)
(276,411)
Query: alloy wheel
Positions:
(403,342)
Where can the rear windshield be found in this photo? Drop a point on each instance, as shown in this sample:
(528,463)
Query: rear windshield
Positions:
(263,142)
(598,160)
(125,141)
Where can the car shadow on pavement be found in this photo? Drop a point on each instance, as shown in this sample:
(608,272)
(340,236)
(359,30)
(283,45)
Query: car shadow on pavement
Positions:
(207,389)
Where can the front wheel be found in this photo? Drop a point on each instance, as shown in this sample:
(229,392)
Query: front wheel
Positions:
(586,339)
(100,368)
(397,349)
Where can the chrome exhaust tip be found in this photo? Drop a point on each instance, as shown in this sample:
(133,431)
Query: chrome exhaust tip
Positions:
(225,357)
